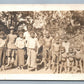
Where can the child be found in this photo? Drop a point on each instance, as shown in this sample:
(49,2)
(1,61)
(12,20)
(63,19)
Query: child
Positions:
(78,57)
(71,57)
(11,46)
(20,43)
(63,59)
(66,44)
(32,50)
(47,50)
(2,45)
(55,55)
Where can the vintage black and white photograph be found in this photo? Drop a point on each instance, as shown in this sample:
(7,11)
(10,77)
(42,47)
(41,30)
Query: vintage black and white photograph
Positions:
(42,42)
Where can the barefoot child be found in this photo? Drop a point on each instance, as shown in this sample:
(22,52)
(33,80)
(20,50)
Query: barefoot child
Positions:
(55,55)
(71,57)
(78,58)
(20,43)
(32,50)
(63,59)
(47,50)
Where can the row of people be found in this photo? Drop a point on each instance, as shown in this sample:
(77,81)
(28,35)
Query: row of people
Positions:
(57,55)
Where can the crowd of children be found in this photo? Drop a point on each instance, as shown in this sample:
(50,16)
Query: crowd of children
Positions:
(58,54)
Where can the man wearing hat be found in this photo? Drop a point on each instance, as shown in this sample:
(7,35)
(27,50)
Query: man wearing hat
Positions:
(11,48)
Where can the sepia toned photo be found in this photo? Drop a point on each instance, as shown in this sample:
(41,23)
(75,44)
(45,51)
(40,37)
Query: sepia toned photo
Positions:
(36,43)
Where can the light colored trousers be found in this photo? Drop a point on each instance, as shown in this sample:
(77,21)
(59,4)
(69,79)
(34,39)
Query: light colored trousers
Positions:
(31,60)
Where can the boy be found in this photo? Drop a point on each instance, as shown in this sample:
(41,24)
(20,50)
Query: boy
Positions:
(63,59)
(71,57)
(32,50)
(78,57)
(55,55)
(47,50)
(20,43)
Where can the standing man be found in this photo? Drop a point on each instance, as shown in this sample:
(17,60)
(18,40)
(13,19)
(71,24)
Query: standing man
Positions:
(11,48)
(26,33)
(32,50)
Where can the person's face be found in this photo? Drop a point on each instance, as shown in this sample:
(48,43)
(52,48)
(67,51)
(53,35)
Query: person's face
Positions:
(70,50)
(65,40)
(1,36)
(32,35)
(62,51)
(21,35)
(47,35)
(57,41)
(78,49)
(11,31)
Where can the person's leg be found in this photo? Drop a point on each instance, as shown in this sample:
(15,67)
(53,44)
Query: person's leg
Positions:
(45,57)
(57,63)
(35,60)
(29,58)
(49,59)
(12,55)
(65,65)
(53,63)
(72,66)
(81,65)
(3,58)
(76,65)
(1,49)
(68,63)
(62,66)
(16,58)
(9,52)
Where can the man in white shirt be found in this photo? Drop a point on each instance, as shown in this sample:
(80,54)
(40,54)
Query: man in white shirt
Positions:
(32,49)
(26,33)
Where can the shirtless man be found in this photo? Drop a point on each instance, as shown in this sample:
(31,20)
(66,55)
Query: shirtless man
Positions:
(55,55)
(47,50)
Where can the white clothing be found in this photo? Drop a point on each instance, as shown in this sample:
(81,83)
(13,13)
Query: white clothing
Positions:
(20,43)
(66,46)
(32,43)
(2,43)
(26,35)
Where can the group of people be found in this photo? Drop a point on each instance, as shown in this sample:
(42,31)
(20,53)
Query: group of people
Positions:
(58,55)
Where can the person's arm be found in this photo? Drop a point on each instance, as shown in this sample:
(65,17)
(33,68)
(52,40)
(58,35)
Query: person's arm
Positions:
(2,44)
(6,41)
(16,42)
